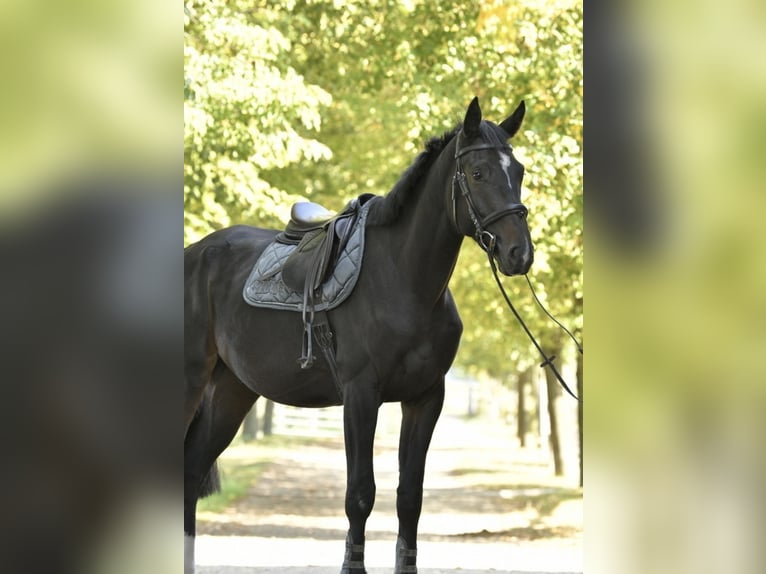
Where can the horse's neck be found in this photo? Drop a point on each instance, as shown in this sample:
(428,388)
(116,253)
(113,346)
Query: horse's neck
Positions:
(431,244)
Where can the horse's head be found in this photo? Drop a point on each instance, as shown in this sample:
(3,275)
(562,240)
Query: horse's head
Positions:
(486,190)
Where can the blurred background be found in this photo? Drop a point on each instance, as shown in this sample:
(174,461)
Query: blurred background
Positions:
(324,100)
(676,283)
(91,231)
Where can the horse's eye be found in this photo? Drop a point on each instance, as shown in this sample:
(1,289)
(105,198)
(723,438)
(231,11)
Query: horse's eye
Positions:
(476,174)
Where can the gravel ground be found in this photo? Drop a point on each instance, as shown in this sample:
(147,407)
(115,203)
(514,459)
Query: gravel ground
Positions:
(489,506)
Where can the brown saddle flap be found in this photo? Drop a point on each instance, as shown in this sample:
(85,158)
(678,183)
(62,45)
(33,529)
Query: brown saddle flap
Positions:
(310,260)
(306,268)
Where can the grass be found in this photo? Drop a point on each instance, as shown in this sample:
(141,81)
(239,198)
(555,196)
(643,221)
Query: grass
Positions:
(545,504)
(242,464)
(237,477)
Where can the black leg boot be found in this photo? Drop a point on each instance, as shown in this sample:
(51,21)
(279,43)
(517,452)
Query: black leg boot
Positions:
(406,558)
(353,562)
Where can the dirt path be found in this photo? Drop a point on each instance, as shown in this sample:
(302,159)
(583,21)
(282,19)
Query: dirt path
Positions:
(495,508)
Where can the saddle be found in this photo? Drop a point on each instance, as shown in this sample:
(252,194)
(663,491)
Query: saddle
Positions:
(305,216)
(321,237)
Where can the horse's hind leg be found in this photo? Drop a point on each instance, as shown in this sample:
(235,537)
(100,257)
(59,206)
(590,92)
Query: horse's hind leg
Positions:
(418,421)
(200,354)
(225,403)
(200,358)
(360,415)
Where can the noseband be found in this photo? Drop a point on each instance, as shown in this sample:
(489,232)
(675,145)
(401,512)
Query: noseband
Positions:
(486,239)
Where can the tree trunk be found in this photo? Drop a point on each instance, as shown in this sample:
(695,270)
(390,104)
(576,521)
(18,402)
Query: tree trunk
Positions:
(580,412)
(250,425)
(553,392)
(521,410)
(268,418)
(471,411)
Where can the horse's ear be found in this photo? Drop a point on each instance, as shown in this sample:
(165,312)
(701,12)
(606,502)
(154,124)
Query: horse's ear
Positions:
(512,124)
(472,119)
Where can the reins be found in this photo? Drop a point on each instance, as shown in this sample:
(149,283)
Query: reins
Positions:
(547,361)
(486,240)
(552,318)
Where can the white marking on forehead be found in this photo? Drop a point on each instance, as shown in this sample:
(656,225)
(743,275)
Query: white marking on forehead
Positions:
(505,161)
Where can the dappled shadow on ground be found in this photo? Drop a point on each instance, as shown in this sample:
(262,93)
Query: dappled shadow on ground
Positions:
(270,529)
(297,489)
(267,530)
(485,499)
(301,494)
(512,534)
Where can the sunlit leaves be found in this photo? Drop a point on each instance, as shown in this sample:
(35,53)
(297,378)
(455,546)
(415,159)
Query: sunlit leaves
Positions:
(533,51)
(243,108)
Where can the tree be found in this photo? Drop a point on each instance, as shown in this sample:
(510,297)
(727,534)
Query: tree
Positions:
(250,424)
(268,418)
(521,408)
(384,76)
(543,43)
(242,104)
(552,388)
(402,72)
(580,415)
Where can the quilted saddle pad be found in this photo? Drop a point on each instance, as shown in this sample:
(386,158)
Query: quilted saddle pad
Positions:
(264,286)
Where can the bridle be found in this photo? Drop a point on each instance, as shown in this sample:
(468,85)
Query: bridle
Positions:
(486,239)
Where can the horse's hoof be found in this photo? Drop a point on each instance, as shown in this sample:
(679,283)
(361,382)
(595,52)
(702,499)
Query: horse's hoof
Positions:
(353,561)
(406,558)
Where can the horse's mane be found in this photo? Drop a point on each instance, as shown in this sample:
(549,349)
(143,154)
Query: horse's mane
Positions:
(387,210)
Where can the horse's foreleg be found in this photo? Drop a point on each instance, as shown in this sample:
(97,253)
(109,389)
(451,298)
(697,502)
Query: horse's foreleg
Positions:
(418,422)
(226,402)
(360,415)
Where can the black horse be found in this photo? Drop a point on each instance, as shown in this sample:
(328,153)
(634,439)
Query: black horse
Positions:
(395,337)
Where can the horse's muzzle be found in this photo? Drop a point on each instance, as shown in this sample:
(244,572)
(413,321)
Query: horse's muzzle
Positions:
(514,261)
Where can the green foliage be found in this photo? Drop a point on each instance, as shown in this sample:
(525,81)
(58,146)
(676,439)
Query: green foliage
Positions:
(237,478)
(384,76)
(543,40)
(243,109)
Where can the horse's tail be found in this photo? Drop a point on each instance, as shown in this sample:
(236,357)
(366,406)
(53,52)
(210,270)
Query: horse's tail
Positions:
(212,481)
